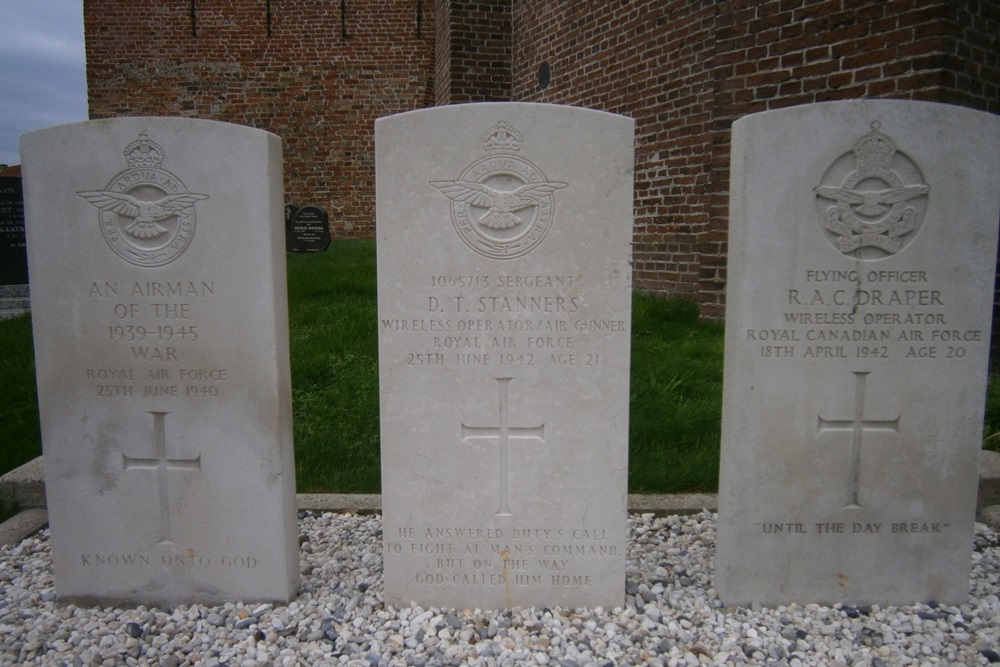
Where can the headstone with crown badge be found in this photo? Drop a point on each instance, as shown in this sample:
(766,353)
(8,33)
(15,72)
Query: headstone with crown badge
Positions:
(161,348)
(504,324)
(862,258)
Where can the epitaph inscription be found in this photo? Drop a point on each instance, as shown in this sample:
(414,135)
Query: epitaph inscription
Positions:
(857,337)
(504,316)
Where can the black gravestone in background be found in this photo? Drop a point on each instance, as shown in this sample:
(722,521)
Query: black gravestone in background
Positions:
(290,211)
(309,230)
(13,249)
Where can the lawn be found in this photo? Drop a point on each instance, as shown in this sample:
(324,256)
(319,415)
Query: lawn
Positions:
(676,384)
(675,397)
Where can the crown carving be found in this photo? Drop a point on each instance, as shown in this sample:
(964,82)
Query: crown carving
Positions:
(502,138)
(144,153)
(874,151)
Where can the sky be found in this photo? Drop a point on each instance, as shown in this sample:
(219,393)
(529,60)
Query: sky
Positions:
(42,73)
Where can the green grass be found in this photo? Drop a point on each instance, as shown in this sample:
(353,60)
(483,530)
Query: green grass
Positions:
(676,381)
(991,430)
(19,407)
(676,389)
(676,398)
(334,354)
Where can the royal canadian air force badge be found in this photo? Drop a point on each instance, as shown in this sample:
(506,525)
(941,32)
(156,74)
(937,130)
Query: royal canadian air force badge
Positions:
(146,214)
(502,205)
(872,200)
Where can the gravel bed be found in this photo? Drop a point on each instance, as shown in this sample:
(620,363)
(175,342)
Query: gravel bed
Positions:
(672,617)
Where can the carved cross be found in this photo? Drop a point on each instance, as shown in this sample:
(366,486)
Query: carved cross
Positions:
(503,434)
(162,465)
(858,425)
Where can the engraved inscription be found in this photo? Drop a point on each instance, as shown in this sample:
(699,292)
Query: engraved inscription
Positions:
(501,206)
(878,198)
(169,561)
(503,557)
(868,315)
(503,433)
(156,323)
(162,465)
(857,425)
(146,214)
(503,320)
(922,527)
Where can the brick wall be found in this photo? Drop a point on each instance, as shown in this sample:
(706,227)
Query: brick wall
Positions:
(442,52)
(302,69)
(473,51)
(685,70)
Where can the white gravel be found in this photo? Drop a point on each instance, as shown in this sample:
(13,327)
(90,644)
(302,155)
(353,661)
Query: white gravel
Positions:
(672,617)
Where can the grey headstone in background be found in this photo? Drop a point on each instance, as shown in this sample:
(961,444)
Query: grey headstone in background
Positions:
(862,258)
(504,325)
(161,344)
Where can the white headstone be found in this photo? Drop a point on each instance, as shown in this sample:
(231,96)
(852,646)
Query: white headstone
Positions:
(504,325)
(156,255)
(862,257)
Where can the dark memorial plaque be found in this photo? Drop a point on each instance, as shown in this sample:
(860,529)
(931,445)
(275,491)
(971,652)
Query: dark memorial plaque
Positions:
(290,211)
(13,253)
(309,230)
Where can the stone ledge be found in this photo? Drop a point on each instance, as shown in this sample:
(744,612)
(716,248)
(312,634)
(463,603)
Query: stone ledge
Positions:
(6,313)
(990,515)
(989,479)
(21,525)
(25,485)
(15,292)
(14,300)
(679,503)
(337,502)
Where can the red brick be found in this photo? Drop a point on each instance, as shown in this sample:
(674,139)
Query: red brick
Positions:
(684,70)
